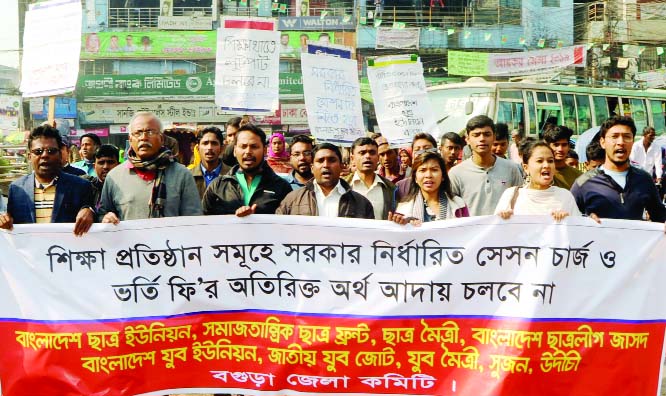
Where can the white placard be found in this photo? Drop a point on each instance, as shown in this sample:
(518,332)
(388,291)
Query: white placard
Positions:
(332,98)
(51,48)
(247,70)
(401,102)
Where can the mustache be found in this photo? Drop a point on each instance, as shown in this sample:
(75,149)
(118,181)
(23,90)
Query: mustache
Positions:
(146,144)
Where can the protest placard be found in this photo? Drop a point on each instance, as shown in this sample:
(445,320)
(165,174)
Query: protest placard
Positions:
(332,98)
(401,102)
(50,62)
(247,68)
(219,304)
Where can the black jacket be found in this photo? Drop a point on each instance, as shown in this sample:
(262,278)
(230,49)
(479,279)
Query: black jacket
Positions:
(224,195)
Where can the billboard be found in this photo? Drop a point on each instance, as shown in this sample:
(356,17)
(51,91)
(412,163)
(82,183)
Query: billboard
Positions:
(155,45)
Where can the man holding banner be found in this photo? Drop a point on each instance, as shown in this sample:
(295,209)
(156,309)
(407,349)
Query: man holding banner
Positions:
(249,187)
(327,195)
(48,195)
(150,183)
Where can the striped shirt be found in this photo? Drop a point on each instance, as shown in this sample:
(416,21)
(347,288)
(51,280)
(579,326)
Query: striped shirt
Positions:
(44,197)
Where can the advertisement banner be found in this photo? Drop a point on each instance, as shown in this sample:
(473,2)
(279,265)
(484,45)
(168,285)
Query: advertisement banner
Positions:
(101,132)
(401,101)
(291,84)
(121,113)
(389,38)
(317,23)
(292,44)
(149,45)
(10,114)
(64,108)
(247,70)
(332,98)
(474,307)
(133,87)
(50,62)
(293,114)
(515,63)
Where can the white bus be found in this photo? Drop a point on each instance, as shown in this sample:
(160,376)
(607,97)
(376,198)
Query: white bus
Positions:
(527,106)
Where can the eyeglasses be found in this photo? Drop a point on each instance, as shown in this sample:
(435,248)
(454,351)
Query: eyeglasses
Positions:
(428,150)
(147,132)
(307,153)
(49,150)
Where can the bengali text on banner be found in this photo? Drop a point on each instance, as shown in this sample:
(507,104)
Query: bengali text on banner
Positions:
(220,304)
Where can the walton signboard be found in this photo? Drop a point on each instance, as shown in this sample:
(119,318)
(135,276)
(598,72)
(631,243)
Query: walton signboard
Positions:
(317,23)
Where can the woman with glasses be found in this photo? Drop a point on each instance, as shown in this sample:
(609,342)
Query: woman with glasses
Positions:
(429,197)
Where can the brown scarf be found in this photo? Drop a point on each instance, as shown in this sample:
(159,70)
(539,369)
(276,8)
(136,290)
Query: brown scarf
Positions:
(158,164)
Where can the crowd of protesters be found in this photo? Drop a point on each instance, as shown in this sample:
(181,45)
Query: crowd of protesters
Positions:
(244,172)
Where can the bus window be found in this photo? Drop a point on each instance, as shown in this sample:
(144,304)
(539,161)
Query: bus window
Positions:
(510,113)
(511,94)
(639,114)
(552,97)
(584,113)
(548,114)
(541,97)
(613,106)
(658,116)
(600,109)
(569,112)
(531,113)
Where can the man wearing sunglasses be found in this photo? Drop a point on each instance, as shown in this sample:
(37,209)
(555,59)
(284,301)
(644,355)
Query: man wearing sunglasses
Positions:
(48,195)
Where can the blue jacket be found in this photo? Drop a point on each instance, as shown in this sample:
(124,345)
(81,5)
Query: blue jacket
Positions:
(596,192)
(72,194)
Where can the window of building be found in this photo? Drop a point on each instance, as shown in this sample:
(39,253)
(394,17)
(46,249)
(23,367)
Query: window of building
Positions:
(550,3)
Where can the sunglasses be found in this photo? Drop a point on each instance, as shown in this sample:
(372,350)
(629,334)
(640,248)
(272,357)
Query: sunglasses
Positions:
(49,150)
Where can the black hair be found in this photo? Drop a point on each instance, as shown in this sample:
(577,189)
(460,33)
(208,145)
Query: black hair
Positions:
(501,131)
(595,152)
(107,150)
(375,135)
(529,147)
(235,122)
(363,141)
(424,136)
(253,129)
(327,146)
(648,129)
(93,137)
(554,134)
(572,154)
(301,139)
(453,138)
(617,120)
(45,131)
(421,159)
(480,121)
(212,129)
(524,145)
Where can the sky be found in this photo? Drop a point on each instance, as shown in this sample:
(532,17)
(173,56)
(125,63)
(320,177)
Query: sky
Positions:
(9,41)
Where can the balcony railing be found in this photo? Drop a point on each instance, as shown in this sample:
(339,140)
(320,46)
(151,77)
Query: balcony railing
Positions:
(139,18)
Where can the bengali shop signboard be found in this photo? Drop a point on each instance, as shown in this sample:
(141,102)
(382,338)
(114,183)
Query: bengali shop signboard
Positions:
(515,63)
(472,306)
(132,87)
(160,45)
(121,113)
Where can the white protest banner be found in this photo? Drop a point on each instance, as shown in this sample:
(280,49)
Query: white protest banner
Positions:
(51,48)
(389,38)
(10,114)
(465,63)
(332,98)
(247,67)
(401,102)
(219,304)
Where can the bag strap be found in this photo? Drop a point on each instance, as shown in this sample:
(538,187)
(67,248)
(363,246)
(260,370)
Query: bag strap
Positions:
(514,198)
